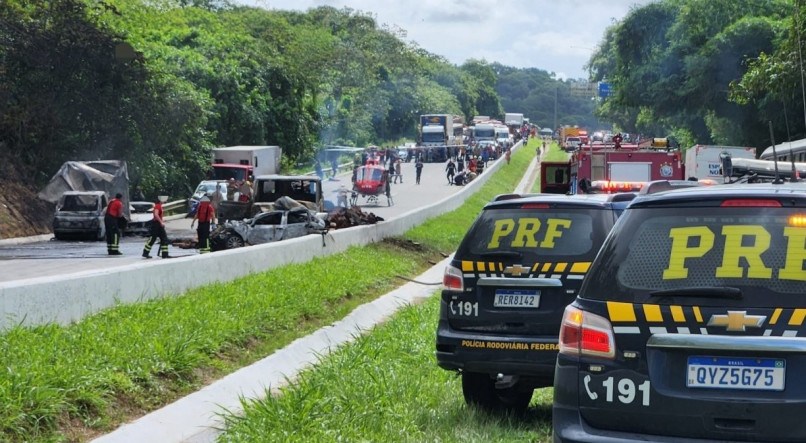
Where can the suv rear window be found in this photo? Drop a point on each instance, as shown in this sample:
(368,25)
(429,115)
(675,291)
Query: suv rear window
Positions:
(761,251)
(535,235)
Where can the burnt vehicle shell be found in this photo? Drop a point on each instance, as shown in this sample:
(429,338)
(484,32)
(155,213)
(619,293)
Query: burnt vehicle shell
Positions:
(142,213)
(267,227)
(80,214)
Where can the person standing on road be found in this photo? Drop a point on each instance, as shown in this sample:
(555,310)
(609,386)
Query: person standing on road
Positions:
(215,200)
(157,231)
(205,214)
(391,171)
(451,168)
(342,196)
(245,191)
(232,188)
(112,224)
(418,168)
(398,172)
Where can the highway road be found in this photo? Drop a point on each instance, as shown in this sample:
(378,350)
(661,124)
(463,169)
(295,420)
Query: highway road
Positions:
(53,257)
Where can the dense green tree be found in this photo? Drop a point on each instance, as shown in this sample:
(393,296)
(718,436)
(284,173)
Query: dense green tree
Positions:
(70,98)
(194,74)
(773,82)
(671,64)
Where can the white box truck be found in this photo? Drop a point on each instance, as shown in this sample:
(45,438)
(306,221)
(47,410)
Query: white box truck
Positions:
(513,119)
(705,161)
(239,162)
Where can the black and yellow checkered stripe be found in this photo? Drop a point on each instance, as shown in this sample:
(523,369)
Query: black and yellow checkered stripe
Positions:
(563,270)
(635,318)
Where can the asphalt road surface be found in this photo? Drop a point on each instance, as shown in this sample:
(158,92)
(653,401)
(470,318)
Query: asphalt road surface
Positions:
(54,257)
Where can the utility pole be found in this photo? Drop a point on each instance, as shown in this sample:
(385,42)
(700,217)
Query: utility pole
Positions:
(555,107)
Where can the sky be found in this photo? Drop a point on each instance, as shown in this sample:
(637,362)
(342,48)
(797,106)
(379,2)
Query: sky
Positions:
(557,36)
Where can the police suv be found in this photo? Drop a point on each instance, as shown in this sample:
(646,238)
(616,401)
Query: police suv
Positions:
(689,325)
(504,292)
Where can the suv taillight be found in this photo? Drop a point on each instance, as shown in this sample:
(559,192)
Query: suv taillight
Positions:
(751,203)
(583,333)
(452,279)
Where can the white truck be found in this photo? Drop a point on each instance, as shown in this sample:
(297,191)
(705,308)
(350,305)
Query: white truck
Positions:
(513,119)
(484,131)
(503,136)
(705,161)
(240,162)
(436,134)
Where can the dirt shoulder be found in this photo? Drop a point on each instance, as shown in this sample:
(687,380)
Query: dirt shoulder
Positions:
(21,213)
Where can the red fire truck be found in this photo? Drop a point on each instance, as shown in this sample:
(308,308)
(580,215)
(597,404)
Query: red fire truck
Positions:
(611,169)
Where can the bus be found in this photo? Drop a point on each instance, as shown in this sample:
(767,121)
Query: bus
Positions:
(787,151)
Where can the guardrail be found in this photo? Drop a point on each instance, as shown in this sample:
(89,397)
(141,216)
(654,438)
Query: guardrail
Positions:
(175,207)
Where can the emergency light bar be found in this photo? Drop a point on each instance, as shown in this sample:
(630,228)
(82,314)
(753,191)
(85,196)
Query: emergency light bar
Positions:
(610,187)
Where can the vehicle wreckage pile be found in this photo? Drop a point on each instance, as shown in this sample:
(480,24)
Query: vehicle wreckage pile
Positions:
(340,218)
(286,219)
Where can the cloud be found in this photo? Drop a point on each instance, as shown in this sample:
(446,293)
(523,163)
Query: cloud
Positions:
(555,36)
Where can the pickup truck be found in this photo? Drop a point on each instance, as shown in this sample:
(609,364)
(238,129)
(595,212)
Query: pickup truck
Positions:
(267,227)
(305,189)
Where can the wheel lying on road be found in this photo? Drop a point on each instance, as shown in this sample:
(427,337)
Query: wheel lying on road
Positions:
(479,390)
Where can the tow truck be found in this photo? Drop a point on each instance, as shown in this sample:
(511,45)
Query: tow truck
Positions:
(613,167)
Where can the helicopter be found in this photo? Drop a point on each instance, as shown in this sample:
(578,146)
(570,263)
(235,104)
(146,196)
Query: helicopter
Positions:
(371,181)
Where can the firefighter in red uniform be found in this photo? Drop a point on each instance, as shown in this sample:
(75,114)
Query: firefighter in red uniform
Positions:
(112,222)
(157,231)
(205,214)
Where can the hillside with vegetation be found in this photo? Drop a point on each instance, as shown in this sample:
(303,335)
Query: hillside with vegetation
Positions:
(708,72)
(159,83)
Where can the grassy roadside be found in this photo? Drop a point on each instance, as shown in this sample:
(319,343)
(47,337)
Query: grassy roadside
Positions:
(72,383)
(385,387)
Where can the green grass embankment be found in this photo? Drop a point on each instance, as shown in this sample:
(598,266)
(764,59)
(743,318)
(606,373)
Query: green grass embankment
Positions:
(70,383)
(386,386)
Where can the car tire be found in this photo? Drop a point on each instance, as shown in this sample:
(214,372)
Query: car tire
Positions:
(234,241)
(479,391)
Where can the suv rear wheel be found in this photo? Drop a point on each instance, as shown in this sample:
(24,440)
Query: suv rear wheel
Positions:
(480,391)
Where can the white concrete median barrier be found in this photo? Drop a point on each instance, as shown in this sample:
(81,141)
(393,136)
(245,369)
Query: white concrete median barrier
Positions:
(69,298)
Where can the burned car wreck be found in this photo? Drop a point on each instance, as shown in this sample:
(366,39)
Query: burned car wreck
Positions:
(266,227)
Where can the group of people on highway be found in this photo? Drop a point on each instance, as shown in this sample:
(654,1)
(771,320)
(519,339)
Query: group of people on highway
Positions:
(113,216)
(461,169)
(467,167)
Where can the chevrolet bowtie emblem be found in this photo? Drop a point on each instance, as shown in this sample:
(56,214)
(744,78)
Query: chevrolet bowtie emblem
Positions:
(516,270)
(737,321)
